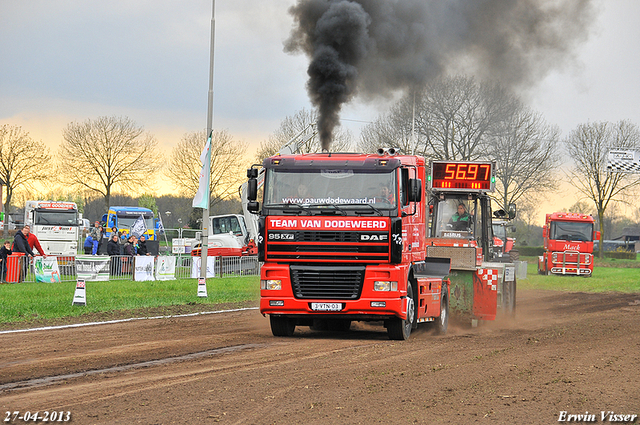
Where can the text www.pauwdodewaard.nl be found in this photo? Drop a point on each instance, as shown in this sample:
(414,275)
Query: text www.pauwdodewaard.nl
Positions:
(338,200)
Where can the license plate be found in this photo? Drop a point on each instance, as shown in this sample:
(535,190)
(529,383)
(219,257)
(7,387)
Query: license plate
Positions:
(326,306)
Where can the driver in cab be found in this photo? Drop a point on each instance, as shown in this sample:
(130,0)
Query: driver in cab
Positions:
(461,219)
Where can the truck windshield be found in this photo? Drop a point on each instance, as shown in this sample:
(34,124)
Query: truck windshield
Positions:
(331,187)
(56,218)
(125,222)
(499,231)
(230,224)
(455,218)
(571,231)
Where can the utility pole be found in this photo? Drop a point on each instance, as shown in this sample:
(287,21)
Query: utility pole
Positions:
(204,246)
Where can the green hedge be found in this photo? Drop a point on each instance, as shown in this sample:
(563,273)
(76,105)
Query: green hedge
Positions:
(620,255)
(530,251)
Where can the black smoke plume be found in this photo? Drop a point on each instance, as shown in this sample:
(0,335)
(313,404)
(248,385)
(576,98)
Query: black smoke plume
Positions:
(375,47)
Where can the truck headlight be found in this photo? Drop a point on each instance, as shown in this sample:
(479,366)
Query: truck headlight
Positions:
(271,285)
(385,285)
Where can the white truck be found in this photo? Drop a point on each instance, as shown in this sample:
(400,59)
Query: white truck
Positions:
(56,225)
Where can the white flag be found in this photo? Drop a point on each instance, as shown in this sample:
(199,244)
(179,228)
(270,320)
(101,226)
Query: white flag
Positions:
(160,225)
(201,200)
(139,227)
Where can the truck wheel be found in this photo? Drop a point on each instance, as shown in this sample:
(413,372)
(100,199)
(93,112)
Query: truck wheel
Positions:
(442,322)
(514,255)
(281,326)
(399,329)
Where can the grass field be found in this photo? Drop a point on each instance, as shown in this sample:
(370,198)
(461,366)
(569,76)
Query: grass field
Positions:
(608,276)
(36,302)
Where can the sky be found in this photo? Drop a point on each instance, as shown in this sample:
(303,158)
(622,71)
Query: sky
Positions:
(65,61)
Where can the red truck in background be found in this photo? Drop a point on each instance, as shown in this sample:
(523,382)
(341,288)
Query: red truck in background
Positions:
(343,237)
(568,244)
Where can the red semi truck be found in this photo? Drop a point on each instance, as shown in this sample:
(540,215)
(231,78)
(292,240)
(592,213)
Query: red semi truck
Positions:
(568,244)
(342,238)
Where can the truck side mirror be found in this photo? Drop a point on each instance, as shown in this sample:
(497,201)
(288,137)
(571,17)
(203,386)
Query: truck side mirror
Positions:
(252,173)
(512,211)
(253,206)
(415,190)
(544,232)
(596,235)
(252,189)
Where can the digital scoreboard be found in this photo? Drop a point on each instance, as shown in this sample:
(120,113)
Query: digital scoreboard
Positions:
(463,176)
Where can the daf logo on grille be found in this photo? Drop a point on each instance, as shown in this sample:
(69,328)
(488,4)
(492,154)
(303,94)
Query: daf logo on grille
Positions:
(376,238)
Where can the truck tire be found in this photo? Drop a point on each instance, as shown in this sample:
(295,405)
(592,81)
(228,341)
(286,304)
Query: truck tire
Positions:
(281,326)
(399,329)
(442,322)
(514,255)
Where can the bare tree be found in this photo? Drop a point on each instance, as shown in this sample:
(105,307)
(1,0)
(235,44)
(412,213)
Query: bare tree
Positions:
(525,149)
(22,160)
(588,145)
(228,170)
(452,118)
(107,154)
(295,124)
(394,129)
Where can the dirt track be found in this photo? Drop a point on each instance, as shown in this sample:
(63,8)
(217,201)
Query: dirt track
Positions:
(569,352)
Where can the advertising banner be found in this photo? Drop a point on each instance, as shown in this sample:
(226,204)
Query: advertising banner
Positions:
(143,268)
(46,269)
(92,268)
(166,268)
(195,267)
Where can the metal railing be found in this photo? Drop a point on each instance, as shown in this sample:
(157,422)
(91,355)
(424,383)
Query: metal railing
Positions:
(120,267)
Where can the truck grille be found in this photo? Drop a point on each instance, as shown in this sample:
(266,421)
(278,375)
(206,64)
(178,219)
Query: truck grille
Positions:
(327,282)
(372,247)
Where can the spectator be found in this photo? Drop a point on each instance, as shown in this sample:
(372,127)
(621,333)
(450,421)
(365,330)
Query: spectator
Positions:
(88,245)
(129,252)
(34,242)
(96,234)
(113,249)
(130,246)
(5,251)
(20,244)
(102,233)
(142,246)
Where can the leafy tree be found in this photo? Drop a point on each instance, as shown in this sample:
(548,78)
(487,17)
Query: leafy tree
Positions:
(148,201)
(22,160)
(106,154)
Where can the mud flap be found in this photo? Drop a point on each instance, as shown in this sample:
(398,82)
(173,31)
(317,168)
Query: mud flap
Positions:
(485,294)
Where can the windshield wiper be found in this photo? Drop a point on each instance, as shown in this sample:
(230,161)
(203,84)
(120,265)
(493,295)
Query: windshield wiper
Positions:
(297,208)
(367,212)
(334,206)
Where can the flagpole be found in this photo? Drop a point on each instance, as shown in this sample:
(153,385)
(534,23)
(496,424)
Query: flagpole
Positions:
(164,233)
(204,246)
